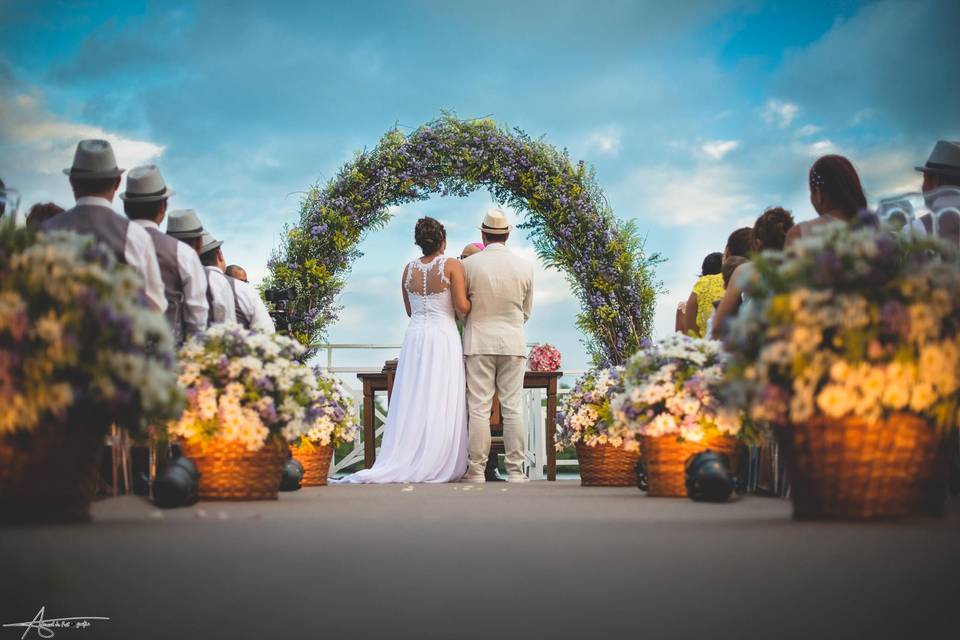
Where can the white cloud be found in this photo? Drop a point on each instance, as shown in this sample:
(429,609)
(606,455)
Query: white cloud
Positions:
(717,149)
(40,142)
(604,142)
(681,197)
(779,112)
(807,130)
(820,148)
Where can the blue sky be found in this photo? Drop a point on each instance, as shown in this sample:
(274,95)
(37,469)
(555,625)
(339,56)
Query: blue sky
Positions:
(696,115)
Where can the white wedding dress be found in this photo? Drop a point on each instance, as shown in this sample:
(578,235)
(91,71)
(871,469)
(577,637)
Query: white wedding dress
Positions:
(425,436)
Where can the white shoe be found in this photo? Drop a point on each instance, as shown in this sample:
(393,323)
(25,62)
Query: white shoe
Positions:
(468,479)
(517,478)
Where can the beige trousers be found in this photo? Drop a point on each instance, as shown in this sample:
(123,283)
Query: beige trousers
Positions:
(503,374)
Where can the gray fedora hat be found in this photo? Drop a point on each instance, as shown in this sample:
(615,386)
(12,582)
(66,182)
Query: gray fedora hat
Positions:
(184,223)
(146,184)
(944,159)
(93,159)
(209,243)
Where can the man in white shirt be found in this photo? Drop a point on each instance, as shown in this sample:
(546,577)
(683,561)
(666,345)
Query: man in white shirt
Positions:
(251,311)
(219,292)
(184,280)
(95,179)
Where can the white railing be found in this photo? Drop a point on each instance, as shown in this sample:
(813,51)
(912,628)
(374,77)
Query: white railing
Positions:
(534,406)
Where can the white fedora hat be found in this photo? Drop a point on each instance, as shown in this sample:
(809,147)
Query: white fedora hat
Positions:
(146,184)
(209,243)
(495,223)
(93,159)
(184,224)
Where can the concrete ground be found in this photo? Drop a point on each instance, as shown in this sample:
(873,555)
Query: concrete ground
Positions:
(544,560)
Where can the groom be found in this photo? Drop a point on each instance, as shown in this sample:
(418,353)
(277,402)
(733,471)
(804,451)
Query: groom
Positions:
(500,288)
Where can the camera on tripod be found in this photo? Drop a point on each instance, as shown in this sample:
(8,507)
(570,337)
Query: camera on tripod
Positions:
(281,307)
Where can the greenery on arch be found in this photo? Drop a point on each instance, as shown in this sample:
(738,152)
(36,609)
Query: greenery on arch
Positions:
(565,215)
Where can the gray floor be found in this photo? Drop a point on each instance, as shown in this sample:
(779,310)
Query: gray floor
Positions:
(545,560)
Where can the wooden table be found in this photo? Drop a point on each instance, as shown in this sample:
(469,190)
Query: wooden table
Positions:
(383,381)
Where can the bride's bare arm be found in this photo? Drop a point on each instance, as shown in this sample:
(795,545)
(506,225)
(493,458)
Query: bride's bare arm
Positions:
(403,288)
(458,287)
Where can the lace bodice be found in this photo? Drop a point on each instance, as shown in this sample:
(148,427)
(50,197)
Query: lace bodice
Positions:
(428,288)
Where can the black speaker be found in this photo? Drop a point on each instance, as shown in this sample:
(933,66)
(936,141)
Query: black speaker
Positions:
(708,477)
(177,484)
(292,475)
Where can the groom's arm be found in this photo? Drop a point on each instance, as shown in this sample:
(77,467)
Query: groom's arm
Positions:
(528,298)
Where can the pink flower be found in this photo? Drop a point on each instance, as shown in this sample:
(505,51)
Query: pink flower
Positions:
(544,357)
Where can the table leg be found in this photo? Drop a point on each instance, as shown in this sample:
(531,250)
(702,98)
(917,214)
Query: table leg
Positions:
(551,429)
(369,427)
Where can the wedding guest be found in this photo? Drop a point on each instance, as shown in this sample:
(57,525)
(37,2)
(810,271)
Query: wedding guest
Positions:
(729,267)
(95,179)
(238,272)
(184,225)
(219,292)
(3,198)
(707,290)
(835,193)
(739,243)
(41,212)
(251,311)
(769,234)
(184,281)
(941,174)
(471,249)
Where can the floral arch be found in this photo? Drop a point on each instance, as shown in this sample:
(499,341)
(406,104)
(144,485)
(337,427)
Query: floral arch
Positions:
(564,213)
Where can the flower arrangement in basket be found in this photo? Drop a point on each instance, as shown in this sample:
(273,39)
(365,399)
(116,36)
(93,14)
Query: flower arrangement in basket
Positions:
(583,422)
(851,349)
(79,350)
(544,357)
(670,409)
(248,395)
(335,423)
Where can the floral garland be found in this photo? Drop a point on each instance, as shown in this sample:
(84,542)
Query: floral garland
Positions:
(78,341)
(567,219)
(850,322)
(585,415)
(246,386)
(671,389)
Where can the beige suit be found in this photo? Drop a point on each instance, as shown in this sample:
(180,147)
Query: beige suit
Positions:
(500,288)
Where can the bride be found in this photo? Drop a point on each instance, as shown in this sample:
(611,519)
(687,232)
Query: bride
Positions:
(425,437)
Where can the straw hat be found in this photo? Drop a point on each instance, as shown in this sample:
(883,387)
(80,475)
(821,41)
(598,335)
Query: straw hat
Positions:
(93,159)
(145,184)
(495,223)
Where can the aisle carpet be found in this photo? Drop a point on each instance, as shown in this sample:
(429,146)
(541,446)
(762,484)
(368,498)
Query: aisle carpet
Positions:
(544,560)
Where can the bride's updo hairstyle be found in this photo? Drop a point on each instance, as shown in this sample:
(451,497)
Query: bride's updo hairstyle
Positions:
(429,235)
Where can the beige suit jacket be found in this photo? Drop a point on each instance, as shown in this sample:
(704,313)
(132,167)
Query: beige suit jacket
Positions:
(500,288)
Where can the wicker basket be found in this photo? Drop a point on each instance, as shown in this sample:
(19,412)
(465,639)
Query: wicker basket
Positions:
(229,472)
(50,474)
(315,460)
(864,470)
(665,458)
(605,465)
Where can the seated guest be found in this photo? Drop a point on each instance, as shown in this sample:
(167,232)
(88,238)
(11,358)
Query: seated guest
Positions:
(238,272)
(769,234)
(941,175)
(739,243)
(835,193)
(707,290)
(471,249)
(729,267)
(41,212)
(251,311)
(184,281)
(95,179)
(223,309)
